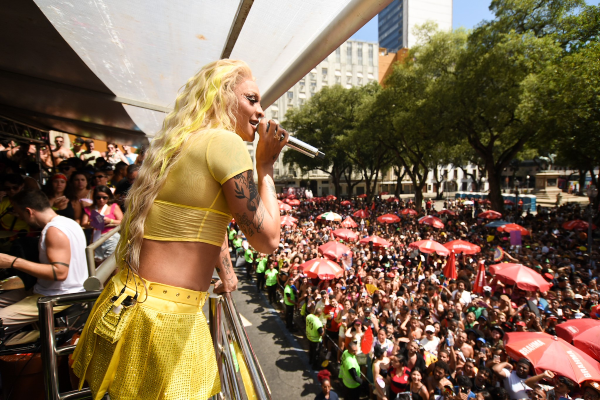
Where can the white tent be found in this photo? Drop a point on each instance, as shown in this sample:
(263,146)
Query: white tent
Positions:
(143,51)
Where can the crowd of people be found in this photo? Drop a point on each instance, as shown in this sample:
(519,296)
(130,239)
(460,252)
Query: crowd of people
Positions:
(394,325)
(81,184)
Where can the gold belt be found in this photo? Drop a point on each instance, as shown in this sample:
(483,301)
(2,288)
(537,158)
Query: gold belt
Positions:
(162,291)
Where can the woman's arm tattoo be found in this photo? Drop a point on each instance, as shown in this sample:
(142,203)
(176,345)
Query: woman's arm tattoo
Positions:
(245,188)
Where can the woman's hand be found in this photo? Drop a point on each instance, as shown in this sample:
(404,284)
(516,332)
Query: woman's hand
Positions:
(270,143)
(60,203)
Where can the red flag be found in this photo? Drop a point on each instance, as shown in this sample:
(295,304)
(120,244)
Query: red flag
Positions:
(367,341)
(373,206)
(450,268)
(480,279)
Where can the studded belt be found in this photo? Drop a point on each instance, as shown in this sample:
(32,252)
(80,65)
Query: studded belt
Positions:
(162,291)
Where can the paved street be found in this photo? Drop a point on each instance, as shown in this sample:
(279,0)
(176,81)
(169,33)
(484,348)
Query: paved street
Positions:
(284,362)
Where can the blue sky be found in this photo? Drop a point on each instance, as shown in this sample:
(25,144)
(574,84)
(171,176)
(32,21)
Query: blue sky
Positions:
(467,13)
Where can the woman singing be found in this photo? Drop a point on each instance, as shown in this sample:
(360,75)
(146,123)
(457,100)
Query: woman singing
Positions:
(147,337)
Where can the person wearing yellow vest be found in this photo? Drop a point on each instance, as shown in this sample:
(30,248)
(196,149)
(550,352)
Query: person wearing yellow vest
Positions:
(314,334)
(350,373)
(289,298)
(271,277)
(249,260)
(261,266)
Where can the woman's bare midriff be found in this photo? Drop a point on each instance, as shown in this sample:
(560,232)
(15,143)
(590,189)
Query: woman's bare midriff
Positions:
(187,265)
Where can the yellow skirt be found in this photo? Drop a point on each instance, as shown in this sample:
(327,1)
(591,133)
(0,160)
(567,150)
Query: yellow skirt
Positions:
(165,351)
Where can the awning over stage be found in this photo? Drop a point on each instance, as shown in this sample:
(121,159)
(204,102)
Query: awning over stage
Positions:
(111,68)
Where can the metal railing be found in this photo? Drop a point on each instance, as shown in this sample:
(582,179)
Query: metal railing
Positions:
(97,276)
(50,352)
(239,369)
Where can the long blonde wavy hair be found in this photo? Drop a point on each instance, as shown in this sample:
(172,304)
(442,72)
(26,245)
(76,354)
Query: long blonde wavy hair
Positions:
(207,101)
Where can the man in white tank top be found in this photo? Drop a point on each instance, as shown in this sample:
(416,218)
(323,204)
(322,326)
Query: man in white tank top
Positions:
(62,268)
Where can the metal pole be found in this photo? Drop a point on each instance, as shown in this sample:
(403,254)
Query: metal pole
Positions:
(49,362)
(258,379)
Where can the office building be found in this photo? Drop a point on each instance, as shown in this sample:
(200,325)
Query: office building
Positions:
(397,20)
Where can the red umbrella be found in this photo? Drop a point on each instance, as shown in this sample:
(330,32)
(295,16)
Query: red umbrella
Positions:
(284,207)
(361,214)
(525,278)
(294,202)
(291,197)
(574,327)
(345,234)
(388,219)
(589,342)
(346,203)
(349,223)
(552,353)
(288,220)
(450,267)
(393,199)
(330,197)
(480,279)
(322,268)
(490,214)
(334,250)
(433,221)
(430,246)
(442,212)
(383,193)
(407,211)
(513,227)
(461,246)
(509,202)
(577,225)
(377,241)
(362,196)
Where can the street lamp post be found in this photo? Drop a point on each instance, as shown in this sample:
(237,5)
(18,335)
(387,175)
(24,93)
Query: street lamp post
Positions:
(527,182)
(592,193)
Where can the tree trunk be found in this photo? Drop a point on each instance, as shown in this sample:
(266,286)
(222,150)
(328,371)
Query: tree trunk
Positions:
(398,190)
(495,182)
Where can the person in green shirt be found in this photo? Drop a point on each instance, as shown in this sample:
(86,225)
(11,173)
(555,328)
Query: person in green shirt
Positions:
(350,373)
(271,277)
(231,235)
(249,258)
(314,334)
(289,299)
(261,266)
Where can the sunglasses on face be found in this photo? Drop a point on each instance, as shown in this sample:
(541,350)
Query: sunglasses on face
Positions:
(99,176)
(101,197)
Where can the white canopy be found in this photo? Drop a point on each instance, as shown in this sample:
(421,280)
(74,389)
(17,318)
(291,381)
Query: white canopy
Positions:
(145,50)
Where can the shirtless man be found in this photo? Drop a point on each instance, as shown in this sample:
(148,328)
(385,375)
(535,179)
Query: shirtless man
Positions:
(461,346)
(60,153)
(439,379)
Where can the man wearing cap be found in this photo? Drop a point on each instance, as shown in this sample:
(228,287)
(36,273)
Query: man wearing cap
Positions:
(314,334)
(431,342)
(514,381)
(350,372)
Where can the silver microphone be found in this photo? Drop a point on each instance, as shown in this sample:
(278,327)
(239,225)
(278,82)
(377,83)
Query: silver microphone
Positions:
(300,146)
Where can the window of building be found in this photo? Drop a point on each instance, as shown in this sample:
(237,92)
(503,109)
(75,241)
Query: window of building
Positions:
(349,53)
(338,55)
(359,54)
(300,102)
(359,81)
(371,55)
(313,87)
(301,85)
(338,79)
(324,73)
(275,114)
(349,80)
(290,95)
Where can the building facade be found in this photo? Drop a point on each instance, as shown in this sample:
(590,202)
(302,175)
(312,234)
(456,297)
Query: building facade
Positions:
(354,63)
(397,20)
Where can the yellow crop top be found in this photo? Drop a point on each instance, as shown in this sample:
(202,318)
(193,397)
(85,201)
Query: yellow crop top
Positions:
(191,206)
